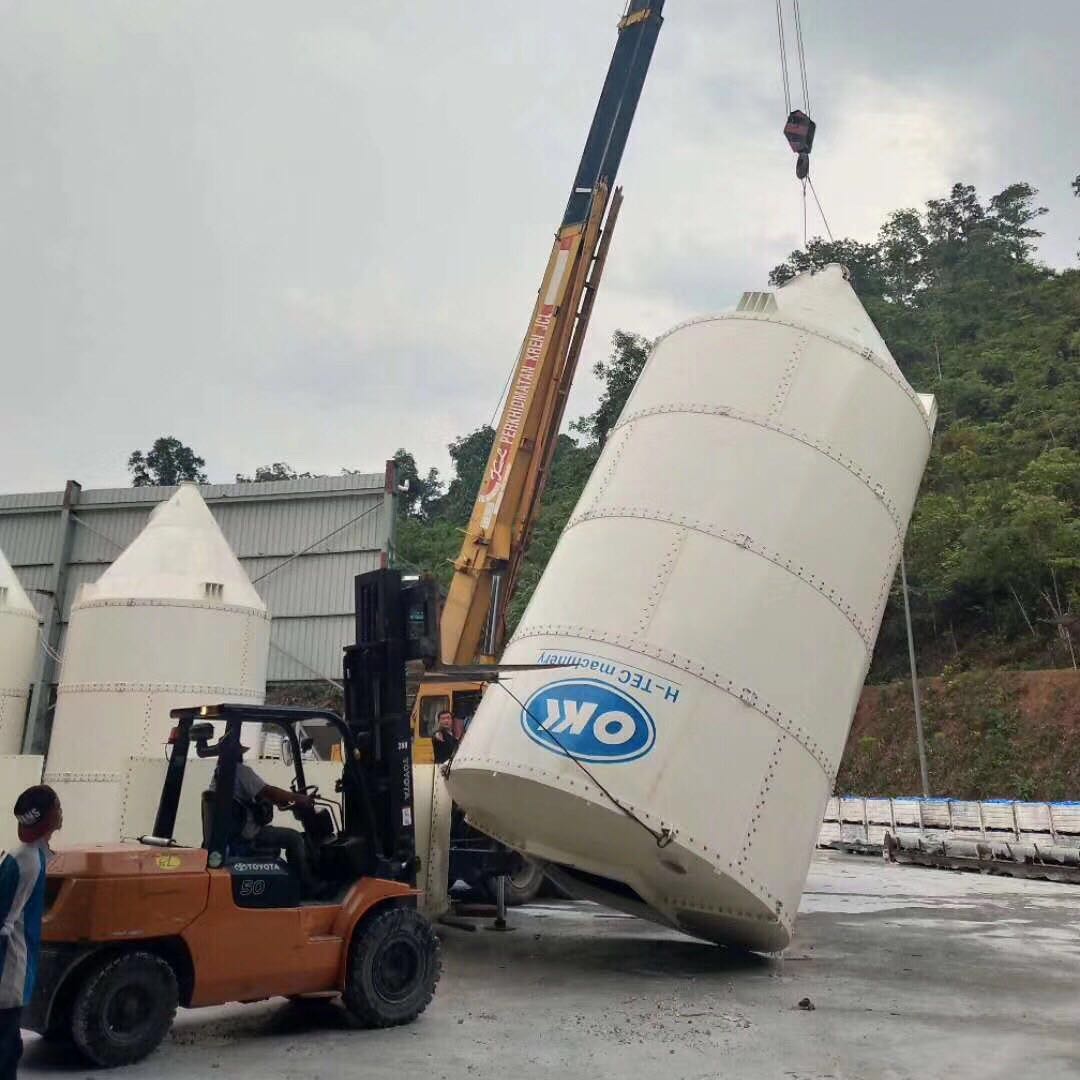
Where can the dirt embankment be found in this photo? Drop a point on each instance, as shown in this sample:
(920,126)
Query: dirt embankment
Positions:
(989,734)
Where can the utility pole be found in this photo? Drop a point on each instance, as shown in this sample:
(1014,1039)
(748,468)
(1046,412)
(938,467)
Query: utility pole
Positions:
(914,684)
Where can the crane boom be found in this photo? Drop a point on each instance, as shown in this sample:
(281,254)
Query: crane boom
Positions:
(473,619)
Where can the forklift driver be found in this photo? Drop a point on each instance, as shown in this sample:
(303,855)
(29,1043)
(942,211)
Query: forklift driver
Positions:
(249,790)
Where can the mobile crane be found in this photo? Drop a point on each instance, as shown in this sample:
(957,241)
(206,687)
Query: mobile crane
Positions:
(473,623)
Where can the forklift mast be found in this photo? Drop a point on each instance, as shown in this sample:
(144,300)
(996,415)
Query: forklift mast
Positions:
(395,623)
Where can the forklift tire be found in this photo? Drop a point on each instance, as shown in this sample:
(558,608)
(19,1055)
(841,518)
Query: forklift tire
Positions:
(124,1009)
(523,883)
(394,964)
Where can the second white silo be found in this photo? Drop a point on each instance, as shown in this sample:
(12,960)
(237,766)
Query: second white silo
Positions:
(174,621)
(712,607)
(18,655)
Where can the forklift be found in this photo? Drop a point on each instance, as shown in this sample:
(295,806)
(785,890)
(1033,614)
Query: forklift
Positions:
(132,931)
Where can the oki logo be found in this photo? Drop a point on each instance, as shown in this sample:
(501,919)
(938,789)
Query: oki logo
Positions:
(588,720)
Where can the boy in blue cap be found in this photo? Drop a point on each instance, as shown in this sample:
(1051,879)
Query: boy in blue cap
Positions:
(22,904)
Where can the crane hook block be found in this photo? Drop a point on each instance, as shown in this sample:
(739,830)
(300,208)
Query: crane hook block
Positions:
(799,132)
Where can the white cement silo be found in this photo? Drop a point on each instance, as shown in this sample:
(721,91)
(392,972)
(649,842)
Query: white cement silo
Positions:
(714,601)
(174,621)
(18,655)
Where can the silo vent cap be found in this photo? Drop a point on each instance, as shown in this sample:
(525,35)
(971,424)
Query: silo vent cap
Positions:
(762,303)
(214,590)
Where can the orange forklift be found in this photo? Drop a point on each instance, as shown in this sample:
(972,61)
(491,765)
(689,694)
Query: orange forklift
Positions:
(132,931)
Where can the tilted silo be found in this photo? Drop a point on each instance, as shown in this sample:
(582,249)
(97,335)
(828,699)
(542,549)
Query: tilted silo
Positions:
(18,655)
(174,621)
(712,606)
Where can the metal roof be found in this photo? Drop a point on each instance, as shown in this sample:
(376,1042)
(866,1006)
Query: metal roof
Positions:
(346,521)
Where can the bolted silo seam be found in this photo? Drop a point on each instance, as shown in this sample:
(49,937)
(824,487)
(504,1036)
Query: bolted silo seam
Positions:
(864,352)
(683,903)
(244,652)
(783,387)
(663,576)
(741,540)
(433,864)
(82,777)
(746,695)
(6,691)
(853,467)
(887,579)
(141,687)
(229,609)
(124,799)
(148,719)
(763,794)
(616,454)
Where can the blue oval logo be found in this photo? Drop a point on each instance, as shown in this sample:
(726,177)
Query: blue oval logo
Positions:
(589,721)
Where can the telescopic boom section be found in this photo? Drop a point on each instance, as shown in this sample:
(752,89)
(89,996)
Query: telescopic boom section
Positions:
(473,620)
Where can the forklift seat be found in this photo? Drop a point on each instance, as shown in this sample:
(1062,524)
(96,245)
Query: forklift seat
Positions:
(239,812)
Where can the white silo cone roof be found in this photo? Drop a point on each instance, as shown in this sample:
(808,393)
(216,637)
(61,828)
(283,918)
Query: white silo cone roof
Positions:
(12,595)
(177,554)
(824,301)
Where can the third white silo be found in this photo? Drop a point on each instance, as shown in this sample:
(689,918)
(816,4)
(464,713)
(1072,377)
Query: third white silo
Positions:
(174,621)
(18,654)
(713,605)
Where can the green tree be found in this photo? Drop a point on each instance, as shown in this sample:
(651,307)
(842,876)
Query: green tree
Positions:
(279,470)
(617,374)
(863,263)
(420,494)
(1076,191)
(1013,212)
(166,463)
(469,456)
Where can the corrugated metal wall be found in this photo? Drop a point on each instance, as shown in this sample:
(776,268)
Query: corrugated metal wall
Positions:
(310,599)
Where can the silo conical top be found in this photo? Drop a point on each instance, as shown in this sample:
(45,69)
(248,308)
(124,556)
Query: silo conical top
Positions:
(178,555)
(822,300)
(173,622)
(13,598)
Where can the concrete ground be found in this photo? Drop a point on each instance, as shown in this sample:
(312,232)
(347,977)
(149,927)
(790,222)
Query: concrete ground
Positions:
(911,972)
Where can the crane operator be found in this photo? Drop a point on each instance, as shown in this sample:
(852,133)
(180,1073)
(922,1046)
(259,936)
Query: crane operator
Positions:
(444,742)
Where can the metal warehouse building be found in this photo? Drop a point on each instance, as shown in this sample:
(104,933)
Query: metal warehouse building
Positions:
(300,541)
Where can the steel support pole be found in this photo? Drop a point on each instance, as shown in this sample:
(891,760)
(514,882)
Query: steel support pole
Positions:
(500,903)
(915,685)
(35,737)
(389,515)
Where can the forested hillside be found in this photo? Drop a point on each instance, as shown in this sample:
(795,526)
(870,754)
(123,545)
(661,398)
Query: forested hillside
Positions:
(994,547)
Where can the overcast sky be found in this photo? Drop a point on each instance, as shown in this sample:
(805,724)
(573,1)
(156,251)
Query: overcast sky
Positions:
(313,232)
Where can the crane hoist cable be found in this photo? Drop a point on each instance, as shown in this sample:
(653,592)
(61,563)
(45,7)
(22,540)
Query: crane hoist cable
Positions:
(824,219)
